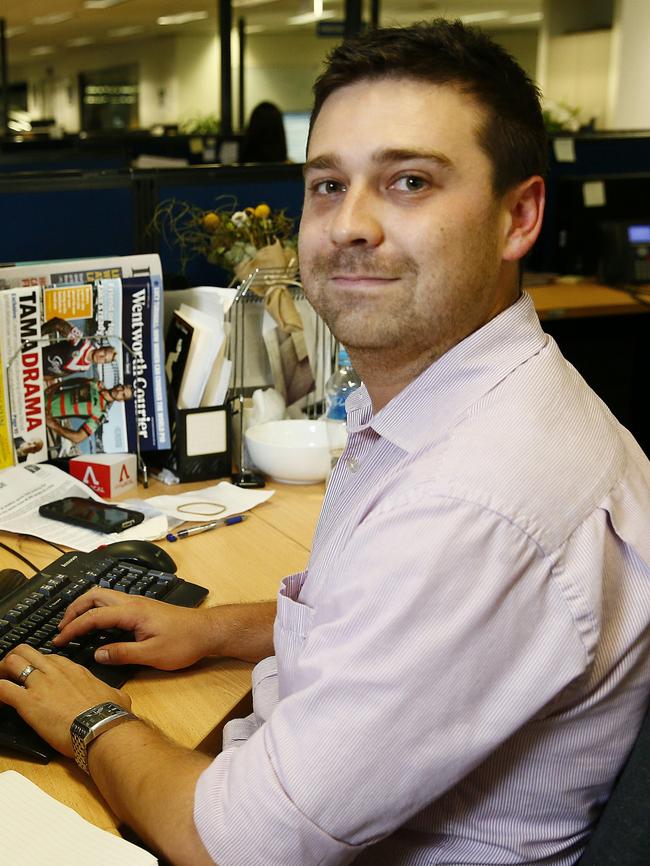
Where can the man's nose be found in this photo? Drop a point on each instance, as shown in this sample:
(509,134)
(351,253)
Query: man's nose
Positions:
(357,220)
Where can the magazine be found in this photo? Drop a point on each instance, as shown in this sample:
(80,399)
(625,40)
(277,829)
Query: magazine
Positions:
(82,359)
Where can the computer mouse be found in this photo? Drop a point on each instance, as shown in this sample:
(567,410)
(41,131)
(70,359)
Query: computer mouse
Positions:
(143,553)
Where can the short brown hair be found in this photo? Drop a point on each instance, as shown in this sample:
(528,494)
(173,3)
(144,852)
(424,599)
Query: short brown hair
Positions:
(448,52)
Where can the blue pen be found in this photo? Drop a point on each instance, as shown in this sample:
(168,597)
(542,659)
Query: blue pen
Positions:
(205,527)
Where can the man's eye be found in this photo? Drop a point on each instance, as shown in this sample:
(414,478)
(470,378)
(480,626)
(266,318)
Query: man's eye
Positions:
(327,187)
(410,183)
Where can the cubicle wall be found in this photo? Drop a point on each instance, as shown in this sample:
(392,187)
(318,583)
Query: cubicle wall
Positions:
(592,179)
(69,214)
(66,215)
(280,186)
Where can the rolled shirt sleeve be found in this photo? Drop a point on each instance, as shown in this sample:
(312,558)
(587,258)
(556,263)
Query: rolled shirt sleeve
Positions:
(420,659)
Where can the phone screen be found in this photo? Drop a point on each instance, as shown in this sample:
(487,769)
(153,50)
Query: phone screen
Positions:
(91,514)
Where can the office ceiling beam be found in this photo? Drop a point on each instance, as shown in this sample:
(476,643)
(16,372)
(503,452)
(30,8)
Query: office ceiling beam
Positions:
(374,13)
(241,29)
(352,17)
(4,80)
(225,84)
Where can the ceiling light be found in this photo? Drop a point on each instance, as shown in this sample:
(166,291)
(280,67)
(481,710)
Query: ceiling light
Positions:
(101,4)
(117,32)
(14,31)
(525,19)
(482,16)
(182,18)
(80,41)
(40,50)
(251,29)
(310,17)
(239,4)
(54,18)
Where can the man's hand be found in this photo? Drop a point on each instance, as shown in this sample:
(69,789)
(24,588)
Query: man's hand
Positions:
(53,694)
(166,637)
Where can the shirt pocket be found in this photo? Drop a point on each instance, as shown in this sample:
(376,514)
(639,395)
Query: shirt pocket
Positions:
(293,624)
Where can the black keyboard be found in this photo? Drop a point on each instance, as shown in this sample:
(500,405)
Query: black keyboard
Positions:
(30,614)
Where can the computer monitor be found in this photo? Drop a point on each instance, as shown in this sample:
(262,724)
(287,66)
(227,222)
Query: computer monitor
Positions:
(296,130)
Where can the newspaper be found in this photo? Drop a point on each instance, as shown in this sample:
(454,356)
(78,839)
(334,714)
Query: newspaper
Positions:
(24,488)
(82,359)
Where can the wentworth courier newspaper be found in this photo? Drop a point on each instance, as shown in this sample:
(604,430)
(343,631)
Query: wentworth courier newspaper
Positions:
(82,358)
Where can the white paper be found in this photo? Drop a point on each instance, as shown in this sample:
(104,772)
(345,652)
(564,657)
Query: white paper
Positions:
(564,149)
(213,300)
(593,193)
(38,830)
(24,488)
(207,339)
(206,504)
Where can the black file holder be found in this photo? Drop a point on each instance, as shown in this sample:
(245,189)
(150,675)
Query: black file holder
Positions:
(201,442)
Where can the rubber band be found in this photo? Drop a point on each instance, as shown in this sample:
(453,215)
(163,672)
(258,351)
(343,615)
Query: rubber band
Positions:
(214,509)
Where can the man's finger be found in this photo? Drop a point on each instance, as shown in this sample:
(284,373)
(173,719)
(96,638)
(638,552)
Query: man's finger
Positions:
(96,618)
(14,665)
(11,694)
(96,597)
(133,653)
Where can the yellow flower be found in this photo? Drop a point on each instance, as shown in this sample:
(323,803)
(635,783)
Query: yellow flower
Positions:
(211,221)
(262,211)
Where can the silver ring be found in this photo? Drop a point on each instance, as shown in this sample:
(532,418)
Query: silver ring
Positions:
(22,676)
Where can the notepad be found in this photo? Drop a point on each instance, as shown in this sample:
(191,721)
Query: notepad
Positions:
(37,829)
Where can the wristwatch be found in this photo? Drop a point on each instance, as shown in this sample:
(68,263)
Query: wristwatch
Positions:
(91,724)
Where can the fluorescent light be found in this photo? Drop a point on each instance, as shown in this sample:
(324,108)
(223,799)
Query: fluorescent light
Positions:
(239,4)
(254,28)
(101,4)
(117,32)
(525,19)
(53,18)
(310,17)
(483,16)
(80,41)
(15,31)
(42,50)
(183,18)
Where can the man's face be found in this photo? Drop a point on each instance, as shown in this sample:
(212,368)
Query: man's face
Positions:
(401,233)
(121,392)
(104,355)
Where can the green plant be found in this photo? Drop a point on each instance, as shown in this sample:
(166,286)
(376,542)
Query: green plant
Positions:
(200,124)
(560,117)
(225,235)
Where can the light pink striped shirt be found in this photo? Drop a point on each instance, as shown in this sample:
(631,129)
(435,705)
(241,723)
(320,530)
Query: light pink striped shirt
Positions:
(465,664)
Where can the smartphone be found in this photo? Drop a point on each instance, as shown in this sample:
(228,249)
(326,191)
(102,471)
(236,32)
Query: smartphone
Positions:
(91,514)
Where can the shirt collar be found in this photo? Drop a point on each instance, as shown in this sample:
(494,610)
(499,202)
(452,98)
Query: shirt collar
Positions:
(454,381)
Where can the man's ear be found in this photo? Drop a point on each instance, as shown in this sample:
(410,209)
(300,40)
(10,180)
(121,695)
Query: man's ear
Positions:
(525,206)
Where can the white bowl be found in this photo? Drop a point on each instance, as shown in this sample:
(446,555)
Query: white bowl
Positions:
(295,451)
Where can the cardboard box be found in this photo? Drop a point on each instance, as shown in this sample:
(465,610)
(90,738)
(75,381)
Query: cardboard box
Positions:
(107,474)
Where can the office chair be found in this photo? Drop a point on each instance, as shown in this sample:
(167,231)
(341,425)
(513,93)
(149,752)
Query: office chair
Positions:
(622,834)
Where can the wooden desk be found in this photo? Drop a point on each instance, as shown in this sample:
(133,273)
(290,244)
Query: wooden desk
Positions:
(576,300)
(243,563)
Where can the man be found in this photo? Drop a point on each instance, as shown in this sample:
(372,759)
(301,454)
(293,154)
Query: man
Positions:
(464,665)
(89,399)
(65,359)
(74,353)
(24,447)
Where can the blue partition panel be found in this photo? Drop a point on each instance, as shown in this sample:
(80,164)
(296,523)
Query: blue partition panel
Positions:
(280,186)
(65,217)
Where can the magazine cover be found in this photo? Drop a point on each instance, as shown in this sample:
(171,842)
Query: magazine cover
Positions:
(82,360)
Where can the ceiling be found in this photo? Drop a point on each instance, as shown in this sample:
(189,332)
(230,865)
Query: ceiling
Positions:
(38,28)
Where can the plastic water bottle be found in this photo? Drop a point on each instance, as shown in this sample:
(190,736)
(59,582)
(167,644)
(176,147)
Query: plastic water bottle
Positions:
(343,381)
(339,386)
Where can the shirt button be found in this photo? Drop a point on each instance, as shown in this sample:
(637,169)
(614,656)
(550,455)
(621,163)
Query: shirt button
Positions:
(352,464)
